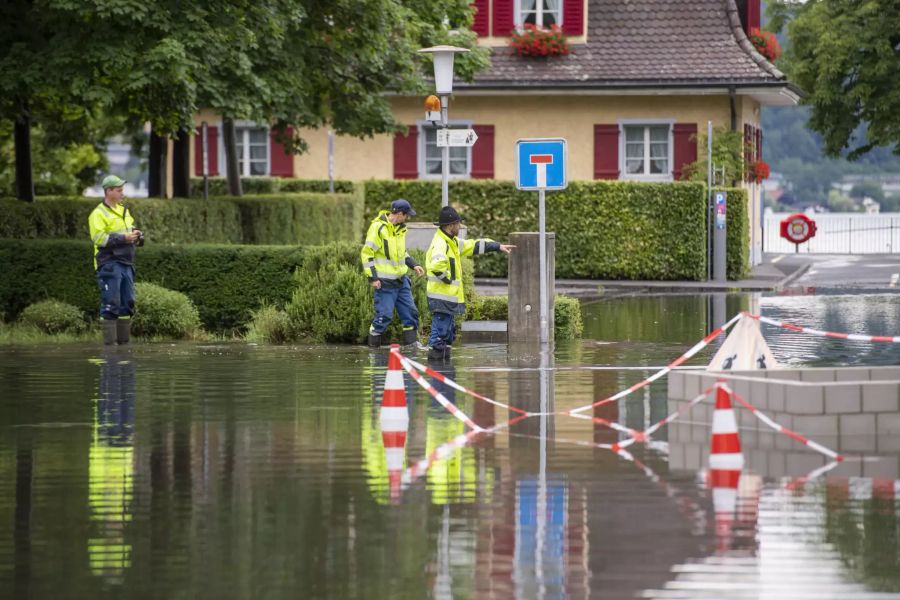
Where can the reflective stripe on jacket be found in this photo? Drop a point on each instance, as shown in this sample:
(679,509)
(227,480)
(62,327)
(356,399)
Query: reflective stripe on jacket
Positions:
(384,254)
(444,266)
(108,227)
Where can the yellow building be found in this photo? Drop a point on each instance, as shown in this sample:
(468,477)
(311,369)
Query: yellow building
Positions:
(644,77)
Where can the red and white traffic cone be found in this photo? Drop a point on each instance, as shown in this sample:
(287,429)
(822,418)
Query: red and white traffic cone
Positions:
(394,455)
(393,401)
(725,464)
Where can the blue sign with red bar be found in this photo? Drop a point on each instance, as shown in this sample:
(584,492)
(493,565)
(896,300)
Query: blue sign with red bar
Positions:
(541,164)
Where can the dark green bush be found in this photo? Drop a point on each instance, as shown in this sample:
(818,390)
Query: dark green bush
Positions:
(53,316)
(225,282)
(305,218)
(605,229)
(567,321)
(159,312)
(341,186)
(270,325)
(218,186)
(737,261)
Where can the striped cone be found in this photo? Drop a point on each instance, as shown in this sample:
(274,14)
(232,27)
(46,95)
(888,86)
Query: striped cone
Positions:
(394,454)
(394,414)
(725,464)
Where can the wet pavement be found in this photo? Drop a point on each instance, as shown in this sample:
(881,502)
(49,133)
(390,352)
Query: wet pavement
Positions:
(240,471)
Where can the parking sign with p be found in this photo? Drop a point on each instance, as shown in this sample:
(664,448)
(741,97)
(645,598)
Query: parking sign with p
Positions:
(541,164)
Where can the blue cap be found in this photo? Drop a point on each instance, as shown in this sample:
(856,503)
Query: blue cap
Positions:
(401,205)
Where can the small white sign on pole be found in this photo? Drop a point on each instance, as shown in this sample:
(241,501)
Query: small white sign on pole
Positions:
(456,137)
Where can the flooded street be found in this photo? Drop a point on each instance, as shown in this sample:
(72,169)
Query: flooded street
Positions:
(243,471)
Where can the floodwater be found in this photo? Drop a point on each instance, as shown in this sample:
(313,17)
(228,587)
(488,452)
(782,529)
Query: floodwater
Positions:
(241,471)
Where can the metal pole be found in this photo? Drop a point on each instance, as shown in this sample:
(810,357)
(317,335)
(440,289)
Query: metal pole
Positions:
(330,161)
(541,529)
(709,206)
(850,235)
(542,265)
(204,147)
(445,156)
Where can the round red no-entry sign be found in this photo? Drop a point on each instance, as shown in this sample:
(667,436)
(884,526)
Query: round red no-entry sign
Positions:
(797,228)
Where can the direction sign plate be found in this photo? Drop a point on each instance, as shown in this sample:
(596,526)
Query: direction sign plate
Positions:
(456,137)
(541,164)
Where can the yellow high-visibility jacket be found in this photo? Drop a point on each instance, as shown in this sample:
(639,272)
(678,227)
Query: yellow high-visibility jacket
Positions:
(108,227)
(384,254)
(444,266)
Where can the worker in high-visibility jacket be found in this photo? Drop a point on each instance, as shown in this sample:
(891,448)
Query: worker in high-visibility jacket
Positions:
(115,238)
(445,282)
(386,263)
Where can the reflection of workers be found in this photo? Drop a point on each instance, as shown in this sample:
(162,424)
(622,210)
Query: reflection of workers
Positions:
(445,283)
(386,262)
(115,238)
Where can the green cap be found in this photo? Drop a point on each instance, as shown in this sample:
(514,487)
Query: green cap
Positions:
(112,181)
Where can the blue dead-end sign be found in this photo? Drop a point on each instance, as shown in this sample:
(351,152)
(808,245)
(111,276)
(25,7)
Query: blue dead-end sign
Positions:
(541,164)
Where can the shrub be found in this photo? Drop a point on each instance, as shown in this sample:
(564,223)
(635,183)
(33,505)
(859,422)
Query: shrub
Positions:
(567,321)
(304,218)
(218,186)
(341,186)
(53,316)
(605,229)
(737,236)
(270,325)
(163,313)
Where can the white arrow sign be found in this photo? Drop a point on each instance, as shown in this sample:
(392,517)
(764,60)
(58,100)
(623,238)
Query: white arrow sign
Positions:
(456,137)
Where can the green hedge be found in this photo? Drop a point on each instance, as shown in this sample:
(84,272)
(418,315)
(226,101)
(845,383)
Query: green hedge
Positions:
(737,238)
(567,320)
(303,218)
(605,230)
(218,186)
(226,283)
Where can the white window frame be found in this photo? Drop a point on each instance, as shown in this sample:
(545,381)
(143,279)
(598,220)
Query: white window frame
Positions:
(623,123)
(244,137)
(420,150)
(539,13)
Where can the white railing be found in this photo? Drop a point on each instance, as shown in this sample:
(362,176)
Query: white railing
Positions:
(840,233)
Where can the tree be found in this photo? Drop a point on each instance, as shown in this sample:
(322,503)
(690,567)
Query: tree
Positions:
(868,188)
(843,53)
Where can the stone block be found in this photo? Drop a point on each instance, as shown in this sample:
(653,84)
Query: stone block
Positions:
(888,431)
(766,439)
(691,385)
(776,466)
(676,385)
(848,468)
(804,399)
(857,433)
(801,462)
(784,374)
(843,398)
(757,460)
(776,393)
(851,374)
(693,457)
(881,397)
(884,373)
(817,375)
(886,468)
(759,393)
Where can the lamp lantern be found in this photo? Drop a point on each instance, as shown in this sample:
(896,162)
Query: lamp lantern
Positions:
(443,66)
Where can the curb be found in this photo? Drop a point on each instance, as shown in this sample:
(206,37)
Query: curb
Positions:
(787,280)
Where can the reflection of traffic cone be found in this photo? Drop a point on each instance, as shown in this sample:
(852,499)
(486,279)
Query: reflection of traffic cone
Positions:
(393,402)
(394,450)
(725,464)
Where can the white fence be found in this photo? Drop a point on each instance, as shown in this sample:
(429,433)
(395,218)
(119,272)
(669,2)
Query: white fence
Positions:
(840,233)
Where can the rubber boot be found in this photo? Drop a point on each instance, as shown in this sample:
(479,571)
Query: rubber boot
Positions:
(123,331)
(439,354)
(374,340)
(409,337)
(109,331)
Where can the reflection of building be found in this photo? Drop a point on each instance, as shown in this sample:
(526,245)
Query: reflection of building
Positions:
(111,466)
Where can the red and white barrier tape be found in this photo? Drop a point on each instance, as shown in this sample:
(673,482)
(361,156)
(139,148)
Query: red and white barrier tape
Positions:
(685,408)
(782,429)
(665,370)
(451,408)
(841,336)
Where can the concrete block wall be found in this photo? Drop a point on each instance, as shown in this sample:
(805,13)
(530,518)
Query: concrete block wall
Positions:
(853,410)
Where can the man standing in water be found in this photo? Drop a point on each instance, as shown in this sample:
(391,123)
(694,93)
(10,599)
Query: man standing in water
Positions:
(115,238)
(445,283)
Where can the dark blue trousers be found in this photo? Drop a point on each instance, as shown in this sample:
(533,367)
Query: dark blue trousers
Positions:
(399,297)
(116,282)
(443,330)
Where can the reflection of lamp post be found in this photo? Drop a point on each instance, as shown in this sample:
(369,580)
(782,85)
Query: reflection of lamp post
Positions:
(443,83)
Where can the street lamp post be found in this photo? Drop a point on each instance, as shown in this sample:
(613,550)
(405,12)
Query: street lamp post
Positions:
(443,83)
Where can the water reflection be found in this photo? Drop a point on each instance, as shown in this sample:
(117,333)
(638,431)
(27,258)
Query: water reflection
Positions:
(234,471)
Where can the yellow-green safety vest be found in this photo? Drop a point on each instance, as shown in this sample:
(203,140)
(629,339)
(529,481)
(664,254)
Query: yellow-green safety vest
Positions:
(384,254)
(444,265)
(108,227)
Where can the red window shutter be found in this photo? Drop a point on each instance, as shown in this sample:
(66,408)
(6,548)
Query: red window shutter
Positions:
(406,154)
(282,162)
(213,133)
(503,17)
(483,152)
(753,11)
(480,24)
(758,144)
(606,151)
(748,149)
(573,17)
(684,141)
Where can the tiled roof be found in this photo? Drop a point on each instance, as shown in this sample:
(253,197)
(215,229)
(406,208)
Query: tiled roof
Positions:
(643,42)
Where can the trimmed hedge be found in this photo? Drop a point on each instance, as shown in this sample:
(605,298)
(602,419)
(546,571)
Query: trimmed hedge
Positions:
(226,283)
(737,236)
(605,229)
(218,186)
(567,320)
(305,218)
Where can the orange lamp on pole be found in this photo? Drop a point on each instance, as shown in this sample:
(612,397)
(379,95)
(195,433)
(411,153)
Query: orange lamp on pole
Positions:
(433,109)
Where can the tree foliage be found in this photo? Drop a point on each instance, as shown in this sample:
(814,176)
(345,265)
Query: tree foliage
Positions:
(844,54)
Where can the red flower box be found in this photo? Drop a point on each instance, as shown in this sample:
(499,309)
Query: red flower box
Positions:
(766,43)
(536,41)
(758,171)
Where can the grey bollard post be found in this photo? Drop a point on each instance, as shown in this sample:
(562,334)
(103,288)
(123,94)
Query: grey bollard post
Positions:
(524,324)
